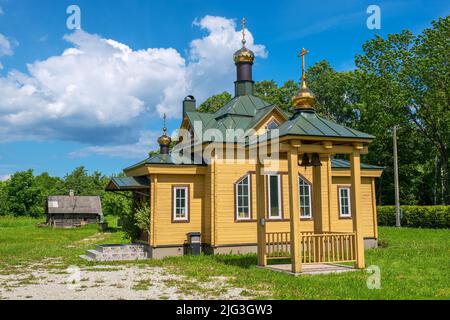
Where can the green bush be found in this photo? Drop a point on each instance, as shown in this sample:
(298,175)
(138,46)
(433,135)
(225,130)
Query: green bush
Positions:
(135,219)
(416,216)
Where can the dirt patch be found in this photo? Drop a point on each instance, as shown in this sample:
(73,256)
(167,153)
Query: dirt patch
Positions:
(112,282)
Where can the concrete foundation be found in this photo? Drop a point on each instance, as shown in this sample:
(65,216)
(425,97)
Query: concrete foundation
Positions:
(370,243)
(311,269)
(241,249)
(161,252)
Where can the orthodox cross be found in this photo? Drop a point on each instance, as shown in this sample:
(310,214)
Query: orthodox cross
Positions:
(302,55)
(243,32)
(164,129)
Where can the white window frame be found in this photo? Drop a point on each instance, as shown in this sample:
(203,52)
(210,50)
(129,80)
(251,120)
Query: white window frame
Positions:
(349,215)
(280,202)
(300,203)
(249,202)
(186,203)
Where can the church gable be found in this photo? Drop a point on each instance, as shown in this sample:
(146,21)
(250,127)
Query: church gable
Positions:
(270,120)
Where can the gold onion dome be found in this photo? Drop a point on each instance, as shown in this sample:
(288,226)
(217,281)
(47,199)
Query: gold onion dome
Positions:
(244,54)
(164,140)
(305,98)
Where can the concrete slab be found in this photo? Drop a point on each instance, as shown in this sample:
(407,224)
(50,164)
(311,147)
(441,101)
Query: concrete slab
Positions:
(311,269)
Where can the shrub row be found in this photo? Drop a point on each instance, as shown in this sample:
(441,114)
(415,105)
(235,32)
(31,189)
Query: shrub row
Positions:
(416,216)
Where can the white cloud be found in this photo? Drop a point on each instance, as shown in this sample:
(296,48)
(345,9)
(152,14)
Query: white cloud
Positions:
(211,68)
(146,142)
(5,177)
(101,92)
(6,47)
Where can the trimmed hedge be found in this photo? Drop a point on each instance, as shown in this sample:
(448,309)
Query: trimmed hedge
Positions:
(416,216)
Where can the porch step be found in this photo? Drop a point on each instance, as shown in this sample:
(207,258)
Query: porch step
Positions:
(311,269)
(86,257)
(117,252)
(122,248)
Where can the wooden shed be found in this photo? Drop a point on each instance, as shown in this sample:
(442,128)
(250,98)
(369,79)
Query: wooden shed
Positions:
(73,211)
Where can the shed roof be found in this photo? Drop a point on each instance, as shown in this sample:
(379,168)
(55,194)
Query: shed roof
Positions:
(74,204)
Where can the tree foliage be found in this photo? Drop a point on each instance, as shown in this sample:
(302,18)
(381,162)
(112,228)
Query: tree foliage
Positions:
(22,194)
(135,219)
(25,194)
(279,96)
(215,102)
(336,94)
(401,80)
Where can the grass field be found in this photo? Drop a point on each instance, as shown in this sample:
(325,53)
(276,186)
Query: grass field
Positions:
(21,241)
(414,263)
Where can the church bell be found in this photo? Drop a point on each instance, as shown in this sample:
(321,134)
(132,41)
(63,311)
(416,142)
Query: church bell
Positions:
(315,161)
(305,161)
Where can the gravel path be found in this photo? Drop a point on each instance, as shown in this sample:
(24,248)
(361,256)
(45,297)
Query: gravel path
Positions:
(112,282)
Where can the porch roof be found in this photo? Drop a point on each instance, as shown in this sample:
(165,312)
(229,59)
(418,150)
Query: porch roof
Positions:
(309,124)
(128,183)
(345,164)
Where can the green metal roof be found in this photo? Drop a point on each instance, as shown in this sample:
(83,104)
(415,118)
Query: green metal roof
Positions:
(345,164)
(161,159)
(128,183)
(244,112)
(246,105)
(308,123)
(158,159)
(230,121)
(261,113)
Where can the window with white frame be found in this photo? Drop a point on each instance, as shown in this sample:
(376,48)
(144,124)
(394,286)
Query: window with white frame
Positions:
(180,203)
(344,202)
(304,190)
(242,193)
(274,196)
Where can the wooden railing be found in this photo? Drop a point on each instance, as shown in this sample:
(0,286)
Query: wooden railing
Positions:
(278,245)
(315,248)
(328,248)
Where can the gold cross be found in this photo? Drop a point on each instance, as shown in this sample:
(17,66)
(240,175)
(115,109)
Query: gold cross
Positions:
(164,129)
(243,31)
(302,55)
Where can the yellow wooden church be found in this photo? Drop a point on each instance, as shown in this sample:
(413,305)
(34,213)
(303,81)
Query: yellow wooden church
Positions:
(298,198)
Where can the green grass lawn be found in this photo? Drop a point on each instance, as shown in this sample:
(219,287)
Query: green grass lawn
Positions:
(21,241)
(414,263)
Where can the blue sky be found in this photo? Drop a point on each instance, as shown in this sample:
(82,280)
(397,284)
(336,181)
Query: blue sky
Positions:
(96,97)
